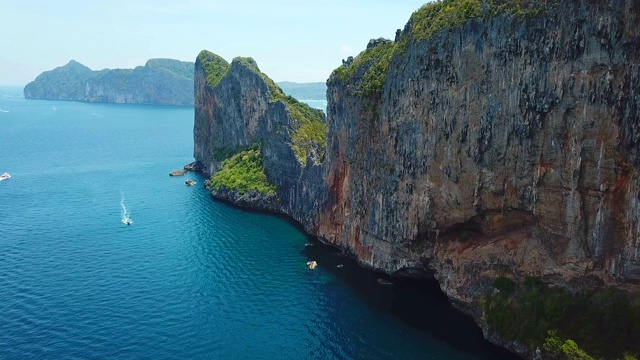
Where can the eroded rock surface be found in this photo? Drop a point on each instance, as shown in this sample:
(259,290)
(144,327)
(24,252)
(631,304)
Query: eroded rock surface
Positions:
(506,147)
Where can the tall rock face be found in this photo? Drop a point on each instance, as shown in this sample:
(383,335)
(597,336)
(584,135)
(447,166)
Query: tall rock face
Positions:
(480,145)
(520,134)
(237,106)
(159,82)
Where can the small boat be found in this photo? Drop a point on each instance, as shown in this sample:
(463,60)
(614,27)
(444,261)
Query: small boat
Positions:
(190,182)
(4,176)
(128,222)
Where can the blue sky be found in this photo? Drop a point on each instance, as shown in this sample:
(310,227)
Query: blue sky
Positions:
(300,41)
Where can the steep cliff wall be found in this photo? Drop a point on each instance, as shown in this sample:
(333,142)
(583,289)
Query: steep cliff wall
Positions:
(236,106)
(499,127)
(490,141)
(505,147)
(159,82)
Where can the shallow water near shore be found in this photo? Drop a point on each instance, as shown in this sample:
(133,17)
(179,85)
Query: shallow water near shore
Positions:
(190,277)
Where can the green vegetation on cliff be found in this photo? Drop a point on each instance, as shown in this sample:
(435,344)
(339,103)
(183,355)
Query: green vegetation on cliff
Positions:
(242,172)
(214,66)
(605,323)
(249,62)
(422,26)
(310,129)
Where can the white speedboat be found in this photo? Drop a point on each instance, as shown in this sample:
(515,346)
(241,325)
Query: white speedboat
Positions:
(4,176)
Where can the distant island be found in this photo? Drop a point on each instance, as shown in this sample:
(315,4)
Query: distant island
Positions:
(158,82)
(305,91)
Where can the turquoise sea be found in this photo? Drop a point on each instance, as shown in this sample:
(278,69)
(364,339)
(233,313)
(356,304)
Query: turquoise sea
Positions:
(191,278)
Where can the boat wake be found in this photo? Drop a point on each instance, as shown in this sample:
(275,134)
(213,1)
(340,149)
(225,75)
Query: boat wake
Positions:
(4,111)
(126,214)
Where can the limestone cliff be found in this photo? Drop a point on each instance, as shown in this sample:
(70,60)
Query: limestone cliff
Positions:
(237,106)
(488,141)
(495,128)
(159,82)
(504,147)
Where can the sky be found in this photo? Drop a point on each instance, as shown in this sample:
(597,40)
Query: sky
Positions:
(299,41)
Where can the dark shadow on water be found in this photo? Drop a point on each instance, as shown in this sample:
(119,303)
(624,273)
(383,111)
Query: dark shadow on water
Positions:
(417,302)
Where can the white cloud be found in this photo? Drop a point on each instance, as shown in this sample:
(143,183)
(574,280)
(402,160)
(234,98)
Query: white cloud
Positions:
(345,49)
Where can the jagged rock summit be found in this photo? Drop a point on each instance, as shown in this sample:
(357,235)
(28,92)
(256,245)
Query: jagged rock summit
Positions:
(158,82)
(262,147)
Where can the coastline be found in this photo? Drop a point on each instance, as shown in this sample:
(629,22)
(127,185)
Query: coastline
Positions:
(411,312)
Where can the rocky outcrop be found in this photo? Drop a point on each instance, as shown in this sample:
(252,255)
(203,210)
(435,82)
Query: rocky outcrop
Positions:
(159,82)
(237,106)
(503,147)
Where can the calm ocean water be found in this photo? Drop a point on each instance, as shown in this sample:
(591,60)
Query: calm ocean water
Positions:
(191,278)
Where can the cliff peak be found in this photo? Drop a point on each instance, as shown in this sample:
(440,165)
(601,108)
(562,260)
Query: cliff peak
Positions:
(247,61)
(76,63)
(214,66)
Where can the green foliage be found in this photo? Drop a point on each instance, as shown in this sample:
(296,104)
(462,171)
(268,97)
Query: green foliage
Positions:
(242,172)
(422,26)
(438,15)
(374,78)
(310,128)
(214,66)
(564,350)
(521,9)
(377,59)
(606,323)
(224,153)
(504,284)
(248,61)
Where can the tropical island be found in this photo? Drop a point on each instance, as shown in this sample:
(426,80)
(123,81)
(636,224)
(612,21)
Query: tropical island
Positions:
(491,146)
(304,91)
(158,82)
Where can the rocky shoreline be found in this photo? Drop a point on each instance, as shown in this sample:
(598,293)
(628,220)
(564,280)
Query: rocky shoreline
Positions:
(251,199)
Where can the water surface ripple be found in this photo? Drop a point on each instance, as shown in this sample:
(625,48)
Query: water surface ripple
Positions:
(190,278)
